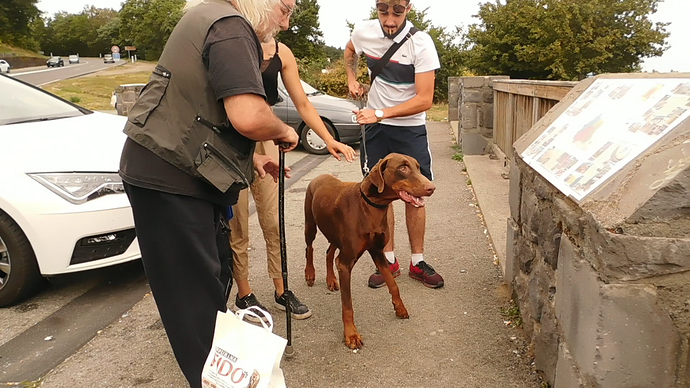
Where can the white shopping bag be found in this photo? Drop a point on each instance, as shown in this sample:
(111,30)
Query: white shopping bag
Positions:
(244,355)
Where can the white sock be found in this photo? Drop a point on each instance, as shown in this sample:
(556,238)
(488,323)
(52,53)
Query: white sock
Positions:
(416,258)
(390,256)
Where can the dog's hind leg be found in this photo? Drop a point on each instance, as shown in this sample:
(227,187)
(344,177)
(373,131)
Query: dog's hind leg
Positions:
(331,280)
(309,236)
(345,262)
(382,265)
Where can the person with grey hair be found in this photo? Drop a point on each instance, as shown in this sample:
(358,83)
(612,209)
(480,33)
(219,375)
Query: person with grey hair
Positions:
(189,152)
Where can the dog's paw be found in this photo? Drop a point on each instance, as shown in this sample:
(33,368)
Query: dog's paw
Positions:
(309,276)
(402,313)
(332,284)
(354,341)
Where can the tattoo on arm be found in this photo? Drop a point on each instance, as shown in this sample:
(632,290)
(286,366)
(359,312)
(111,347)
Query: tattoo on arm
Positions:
(351,62)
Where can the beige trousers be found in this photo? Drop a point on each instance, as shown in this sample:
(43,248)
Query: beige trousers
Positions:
(265,194)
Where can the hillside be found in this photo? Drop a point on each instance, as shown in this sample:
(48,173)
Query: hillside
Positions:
(9,51)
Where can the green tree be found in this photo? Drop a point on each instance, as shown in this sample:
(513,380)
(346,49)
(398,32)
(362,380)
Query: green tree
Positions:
(564,39)
(333,53)
(304,36)
(67,33)
(147,24)
(17,21)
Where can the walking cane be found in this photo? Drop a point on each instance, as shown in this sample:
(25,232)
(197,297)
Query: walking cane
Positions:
(289,351)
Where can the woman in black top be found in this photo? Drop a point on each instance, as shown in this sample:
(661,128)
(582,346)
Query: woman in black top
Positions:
(277,59)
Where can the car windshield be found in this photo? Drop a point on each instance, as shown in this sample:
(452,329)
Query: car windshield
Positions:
(308,89)
(23,103)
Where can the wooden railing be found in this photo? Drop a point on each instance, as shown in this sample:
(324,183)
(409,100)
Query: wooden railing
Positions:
(519,104)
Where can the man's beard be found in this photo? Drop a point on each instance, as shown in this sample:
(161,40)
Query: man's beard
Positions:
(394,34)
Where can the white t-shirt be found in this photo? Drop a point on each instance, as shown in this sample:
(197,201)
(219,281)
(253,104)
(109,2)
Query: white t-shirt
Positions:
(396,82)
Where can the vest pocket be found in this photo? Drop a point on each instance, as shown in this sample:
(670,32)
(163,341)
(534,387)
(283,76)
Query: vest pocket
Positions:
(220,170)
(150,96)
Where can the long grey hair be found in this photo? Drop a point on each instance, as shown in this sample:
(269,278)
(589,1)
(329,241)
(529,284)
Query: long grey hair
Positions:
(257,12)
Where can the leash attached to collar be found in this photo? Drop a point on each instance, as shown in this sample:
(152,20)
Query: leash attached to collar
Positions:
(367,200)
(364,142)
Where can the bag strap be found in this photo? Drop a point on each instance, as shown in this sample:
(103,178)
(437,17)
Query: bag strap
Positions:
(253,311)
(376,70)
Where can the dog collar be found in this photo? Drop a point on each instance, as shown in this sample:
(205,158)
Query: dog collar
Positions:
(376,205)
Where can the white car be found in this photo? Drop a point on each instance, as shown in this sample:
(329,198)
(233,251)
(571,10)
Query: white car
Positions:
(62,204)
(4,67)
(73,59)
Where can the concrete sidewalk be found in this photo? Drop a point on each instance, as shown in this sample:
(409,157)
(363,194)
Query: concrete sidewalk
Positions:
(456,336)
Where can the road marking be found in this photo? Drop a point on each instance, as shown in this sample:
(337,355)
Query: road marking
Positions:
(44,70)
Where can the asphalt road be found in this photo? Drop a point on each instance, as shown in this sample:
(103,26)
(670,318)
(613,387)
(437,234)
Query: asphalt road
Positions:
(44,75)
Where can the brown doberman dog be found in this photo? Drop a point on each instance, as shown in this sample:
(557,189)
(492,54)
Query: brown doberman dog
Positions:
(353,217)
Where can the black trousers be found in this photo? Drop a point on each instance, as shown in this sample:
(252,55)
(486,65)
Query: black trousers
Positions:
(186,254)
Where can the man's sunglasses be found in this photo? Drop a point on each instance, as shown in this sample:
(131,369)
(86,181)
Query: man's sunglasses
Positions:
(398,9)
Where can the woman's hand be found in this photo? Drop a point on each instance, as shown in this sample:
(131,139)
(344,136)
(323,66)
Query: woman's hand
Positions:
(335,148)
(265,164)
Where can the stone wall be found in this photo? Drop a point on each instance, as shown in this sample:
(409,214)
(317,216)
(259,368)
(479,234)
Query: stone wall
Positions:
(604,307)
(474,111)
(126,97)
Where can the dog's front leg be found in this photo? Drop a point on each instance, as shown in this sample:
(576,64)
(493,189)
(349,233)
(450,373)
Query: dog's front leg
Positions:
(382,265)
(352,338)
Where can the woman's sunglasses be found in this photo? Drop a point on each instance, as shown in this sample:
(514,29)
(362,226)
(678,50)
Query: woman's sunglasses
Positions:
(398,9)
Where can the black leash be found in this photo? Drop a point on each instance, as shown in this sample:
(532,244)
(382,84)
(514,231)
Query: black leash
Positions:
(289,351)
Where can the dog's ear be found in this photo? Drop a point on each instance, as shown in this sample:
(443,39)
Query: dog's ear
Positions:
(376,175)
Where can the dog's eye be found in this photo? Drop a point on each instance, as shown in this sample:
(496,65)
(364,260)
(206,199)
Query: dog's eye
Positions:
(404,168)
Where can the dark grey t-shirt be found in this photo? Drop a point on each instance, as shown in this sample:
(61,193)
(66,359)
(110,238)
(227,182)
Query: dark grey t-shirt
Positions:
(232,54)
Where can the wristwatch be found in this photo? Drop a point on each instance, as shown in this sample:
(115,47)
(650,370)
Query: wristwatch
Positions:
(379,114)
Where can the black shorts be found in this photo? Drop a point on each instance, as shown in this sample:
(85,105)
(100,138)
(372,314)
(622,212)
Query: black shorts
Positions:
(382,139)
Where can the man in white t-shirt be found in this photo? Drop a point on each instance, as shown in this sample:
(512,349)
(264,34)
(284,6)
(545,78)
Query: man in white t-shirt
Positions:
(395,113)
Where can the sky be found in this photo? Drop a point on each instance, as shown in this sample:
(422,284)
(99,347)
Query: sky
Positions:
(448,13)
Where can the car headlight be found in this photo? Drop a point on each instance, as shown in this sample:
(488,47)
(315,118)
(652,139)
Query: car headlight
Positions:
(78,188)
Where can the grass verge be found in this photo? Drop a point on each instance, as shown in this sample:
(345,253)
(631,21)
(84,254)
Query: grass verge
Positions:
(7,49)
(94,92)
(438,112)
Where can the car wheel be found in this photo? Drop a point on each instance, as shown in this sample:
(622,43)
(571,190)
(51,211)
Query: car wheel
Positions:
(312,142)
(19,273)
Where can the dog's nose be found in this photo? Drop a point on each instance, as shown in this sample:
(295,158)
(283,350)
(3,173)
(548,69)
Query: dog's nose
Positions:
(430,188)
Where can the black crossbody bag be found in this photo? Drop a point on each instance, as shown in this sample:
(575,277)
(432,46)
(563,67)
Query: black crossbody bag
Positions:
(376,70)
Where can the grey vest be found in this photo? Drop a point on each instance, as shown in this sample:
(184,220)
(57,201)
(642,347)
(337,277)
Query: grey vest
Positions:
(177,115)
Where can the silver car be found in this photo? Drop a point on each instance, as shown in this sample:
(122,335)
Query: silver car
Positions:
(335,112)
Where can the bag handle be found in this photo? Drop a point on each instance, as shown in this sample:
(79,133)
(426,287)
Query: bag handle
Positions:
(376,70)
(254,312)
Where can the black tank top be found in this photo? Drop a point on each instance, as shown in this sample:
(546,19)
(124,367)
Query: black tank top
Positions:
(270,76)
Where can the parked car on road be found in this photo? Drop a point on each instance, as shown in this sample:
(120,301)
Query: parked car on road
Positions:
(62,208)
(335,112)
(4,67)
(108,58)
(73,59)
(55,62)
